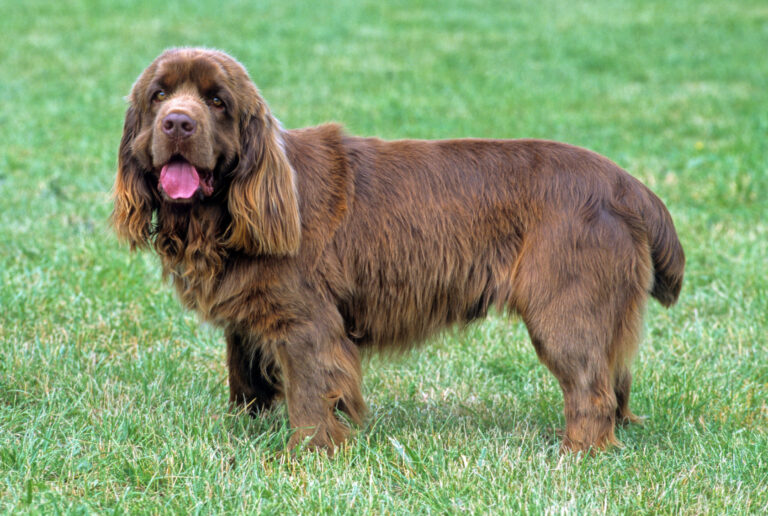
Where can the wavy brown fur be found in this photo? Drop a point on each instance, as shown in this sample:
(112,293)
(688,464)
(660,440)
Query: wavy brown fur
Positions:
(315,245)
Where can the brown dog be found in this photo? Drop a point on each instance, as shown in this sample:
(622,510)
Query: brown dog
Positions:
(307,246)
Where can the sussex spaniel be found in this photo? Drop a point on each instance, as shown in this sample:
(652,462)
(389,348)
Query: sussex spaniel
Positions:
(309,246)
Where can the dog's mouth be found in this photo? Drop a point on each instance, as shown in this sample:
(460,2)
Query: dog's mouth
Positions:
(181,180)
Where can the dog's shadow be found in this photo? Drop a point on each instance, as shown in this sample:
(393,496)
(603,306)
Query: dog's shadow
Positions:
(459,421)
(428,420)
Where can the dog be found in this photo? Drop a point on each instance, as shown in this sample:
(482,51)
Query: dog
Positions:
(310,246)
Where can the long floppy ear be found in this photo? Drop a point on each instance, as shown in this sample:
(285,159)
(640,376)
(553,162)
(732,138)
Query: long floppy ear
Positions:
(263,200)
(132,213)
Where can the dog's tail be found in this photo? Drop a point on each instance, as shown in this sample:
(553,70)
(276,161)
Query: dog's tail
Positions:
(650,221)
(666,251)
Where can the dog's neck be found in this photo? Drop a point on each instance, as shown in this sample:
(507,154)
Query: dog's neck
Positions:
(189,241)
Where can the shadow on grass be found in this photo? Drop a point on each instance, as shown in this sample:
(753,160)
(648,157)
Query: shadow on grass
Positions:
(448,425)
(461,421)
(434,421)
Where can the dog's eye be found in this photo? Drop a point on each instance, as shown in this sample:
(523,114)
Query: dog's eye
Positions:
(159,96)
(217,102)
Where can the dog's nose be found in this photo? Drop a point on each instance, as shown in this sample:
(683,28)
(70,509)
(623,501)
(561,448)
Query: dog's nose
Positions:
(179,125)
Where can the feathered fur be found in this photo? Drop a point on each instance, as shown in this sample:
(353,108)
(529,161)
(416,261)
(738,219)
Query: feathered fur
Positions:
(314,245)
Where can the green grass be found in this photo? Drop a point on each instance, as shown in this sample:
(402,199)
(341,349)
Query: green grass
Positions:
(113,399)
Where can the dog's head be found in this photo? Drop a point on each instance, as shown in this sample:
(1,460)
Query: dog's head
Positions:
(198,131)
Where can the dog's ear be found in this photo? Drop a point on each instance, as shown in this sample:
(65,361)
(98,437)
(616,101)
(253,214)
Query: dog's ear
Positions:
(133,200)
(263,200)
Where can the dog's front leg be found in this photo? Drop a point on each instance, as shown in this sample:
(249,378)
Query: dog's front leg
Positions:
(321,373)
(253,382)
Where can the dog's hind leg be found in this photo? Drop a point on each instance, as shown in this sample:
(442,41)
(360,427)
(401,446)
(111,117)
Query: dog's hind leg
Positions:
(621,385)
(625,343)
(573,348)
(580,290)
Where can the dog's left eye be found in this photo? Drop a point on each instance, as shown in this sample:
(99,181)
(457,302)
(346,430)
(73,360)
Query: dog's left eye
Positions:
(217,102)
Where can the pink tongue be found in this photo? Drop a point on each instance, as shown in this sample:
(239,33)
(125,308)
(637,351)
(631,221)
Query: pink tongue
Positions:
(179,179)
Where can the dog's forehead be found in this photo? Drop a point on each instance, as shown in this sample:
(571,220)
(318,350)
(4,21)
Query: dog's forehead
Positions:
(198,69)
(208,71)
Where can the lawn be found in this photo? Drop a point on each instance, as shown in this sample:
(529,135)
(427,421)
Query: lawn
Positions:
(114,399)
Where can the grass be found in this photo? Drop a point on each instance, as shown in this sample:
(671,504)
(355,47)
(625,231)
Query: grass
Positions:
(113,399)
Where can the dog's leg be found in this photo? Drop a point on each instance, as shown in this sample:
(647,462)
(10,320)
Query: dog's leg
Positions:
(575,356)
(589,413)
(622,384)
(625,345)
(248,385)
(573,343)
(630,295)
(320,376)
(581,291)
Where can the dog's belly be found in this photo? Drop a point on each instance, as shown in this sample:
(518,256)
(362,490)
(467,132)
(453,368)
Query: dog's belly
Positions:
(401,302)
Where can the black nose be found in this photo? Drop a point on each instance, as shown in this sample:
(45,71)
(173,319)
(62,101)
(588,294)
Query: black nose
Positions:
(179,125)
